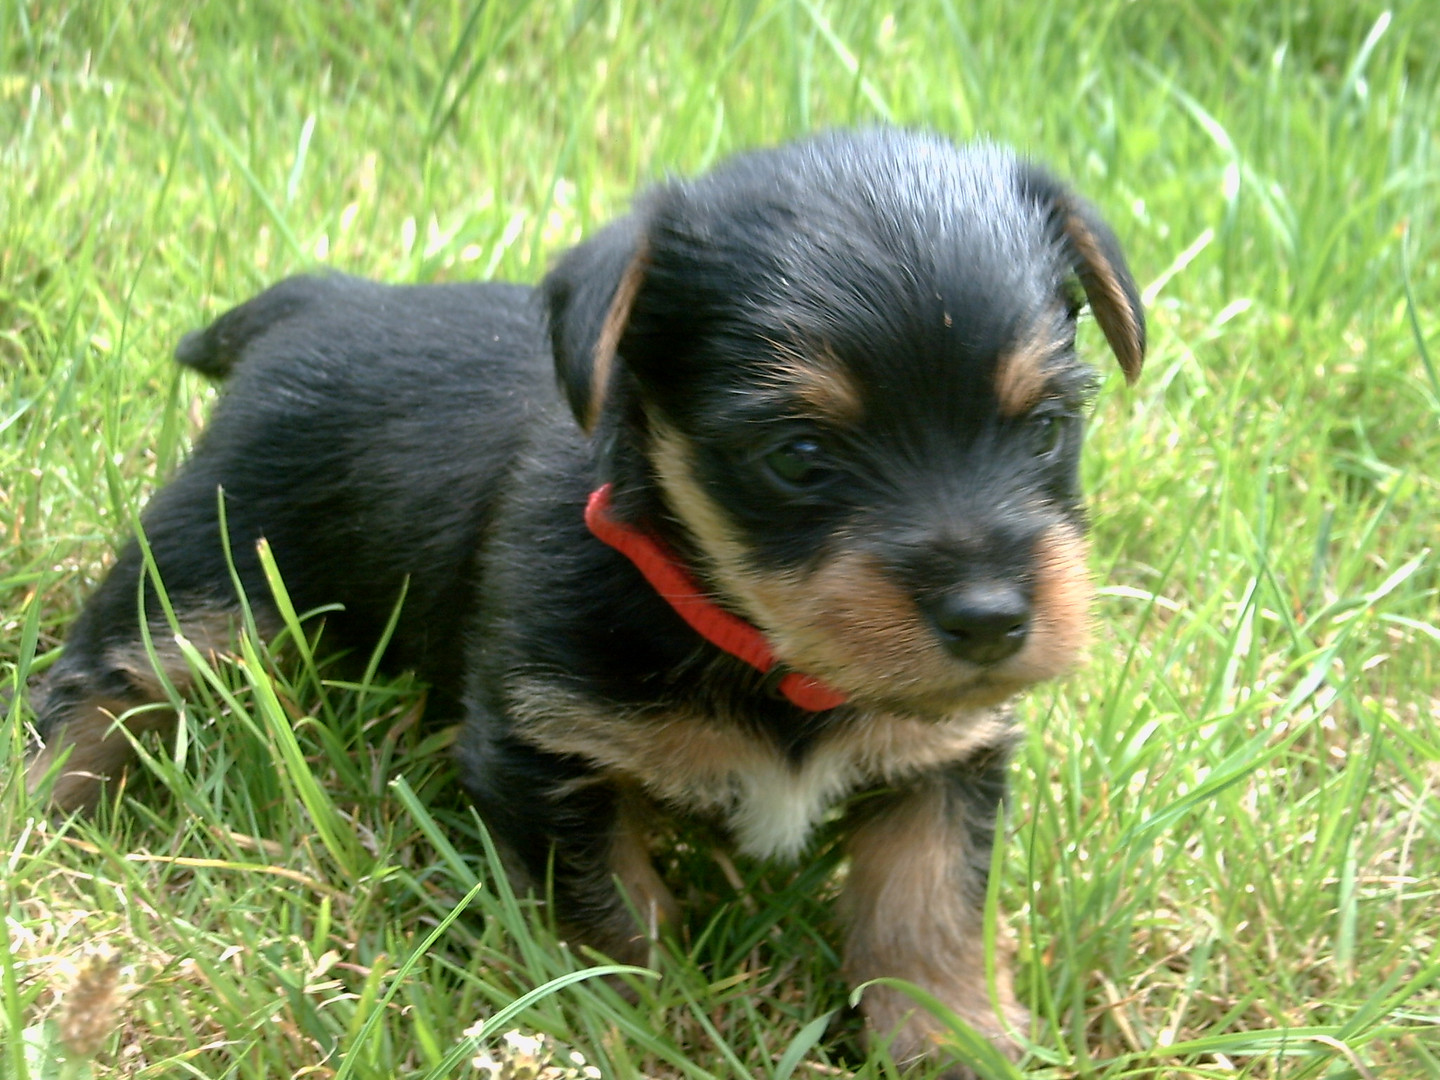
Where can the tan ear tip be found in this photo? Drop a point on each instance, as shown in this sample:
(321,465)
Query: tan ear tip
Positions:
(1132,362)
(597,401)
(1124,328)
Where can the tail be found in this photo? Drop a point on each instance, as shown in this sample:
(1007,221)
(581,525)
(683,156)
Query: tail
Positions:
(215,350)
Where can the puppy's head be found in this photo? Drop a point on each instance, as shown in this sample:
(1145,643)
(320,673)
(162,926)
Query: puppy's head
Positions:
(841,377)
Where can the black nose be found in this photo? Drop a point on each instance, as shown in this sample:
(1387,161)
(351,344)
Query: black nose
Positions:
(980,623)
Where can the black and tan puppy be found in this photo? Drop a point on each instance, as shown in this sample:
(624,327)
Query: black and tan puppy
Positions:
(802,514)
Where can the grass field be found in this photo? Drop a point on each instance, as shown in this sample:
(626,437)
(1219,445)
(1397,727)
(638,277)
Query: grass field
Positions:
(1223,849)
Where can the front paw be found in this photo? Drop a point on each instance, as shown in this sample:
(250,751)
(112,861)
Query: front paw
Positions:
(965,1033)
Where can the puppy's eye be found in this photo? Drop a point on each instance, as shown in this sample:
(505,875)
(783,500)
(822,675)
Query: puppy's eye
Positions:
(798,463)
(1048,432)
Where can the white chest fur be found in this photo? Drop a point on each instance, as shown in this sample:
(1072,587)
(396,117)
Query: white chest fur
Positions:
(770,802)
(774,805)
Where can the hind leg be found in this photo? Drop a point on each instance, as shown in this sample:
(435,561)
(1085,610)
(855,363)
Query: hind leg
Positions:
(106,675)
(80,712)
(106,672)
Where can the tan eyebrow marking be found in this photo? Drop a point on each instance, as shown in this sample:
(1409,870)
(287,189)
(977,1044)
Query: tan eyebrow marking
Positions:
(818,380)
(1022,372)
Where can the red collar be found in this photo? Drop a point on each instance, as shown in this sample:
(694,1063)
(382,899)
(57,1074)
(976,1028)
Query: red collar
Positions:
(668,577)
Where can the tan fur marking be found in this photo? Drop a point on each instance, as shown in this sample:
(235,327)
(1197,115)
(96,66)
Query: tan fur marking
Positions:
(1060,615)
(97,751)
(914,908)
(611,330)
(1118,319)
(892,748)
(848,622)
(648,896)
(679,759)
(818,381)
(134,661)
(724,552)
(1021,373)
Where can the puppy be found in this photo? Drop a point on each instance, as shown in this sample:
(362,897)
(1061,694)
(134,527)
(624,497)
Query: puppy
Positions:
(801,515)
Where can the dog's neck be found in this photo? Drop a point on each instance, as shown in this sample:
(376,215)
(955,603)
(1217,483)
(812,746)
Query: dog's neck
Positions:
(668,576)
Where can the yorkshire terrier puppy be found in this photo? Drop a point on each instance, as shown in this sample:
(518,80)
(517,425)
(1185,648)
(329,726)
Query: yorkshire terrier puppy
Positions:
(766,500)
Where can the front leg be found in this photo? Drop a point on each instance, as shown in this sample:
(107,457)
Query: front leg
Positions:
(577,835)
(915,901)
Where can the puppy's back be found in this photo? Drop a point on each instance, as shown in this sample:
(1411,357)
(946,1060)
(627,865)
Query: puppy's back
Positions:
(346,311)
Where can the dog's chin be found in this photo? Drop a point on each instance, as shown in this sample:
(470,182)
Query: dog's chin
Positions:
(968,689)
(940,703)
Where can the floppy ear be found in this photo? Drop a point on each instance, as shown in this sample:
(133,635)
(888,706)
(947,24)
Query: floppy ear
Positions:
(1108,285)
(588,298)
(1098,262)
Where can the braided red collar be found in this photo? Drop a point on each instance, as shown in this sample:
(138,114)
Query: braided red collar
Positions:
(668,577)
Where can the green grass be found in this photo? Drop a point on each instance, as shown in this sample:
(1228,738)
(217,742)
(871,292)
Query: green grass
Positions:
(1223,854)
